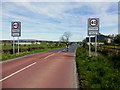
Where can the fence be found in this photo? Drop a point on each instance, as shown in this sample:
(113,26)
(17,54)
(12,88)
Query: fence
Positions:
(110,48)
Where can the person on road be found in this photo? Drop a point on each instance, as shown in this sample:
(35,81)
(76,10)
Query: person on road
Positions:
(67,46)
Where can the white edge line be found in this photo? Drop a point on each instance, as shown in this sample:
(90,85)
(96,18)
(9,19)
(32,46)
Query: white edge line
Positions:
(17,71)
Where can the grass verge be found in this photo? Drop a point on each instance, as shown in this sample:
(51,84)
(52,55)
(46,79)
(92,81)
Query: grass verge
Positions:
(11,56)
(96,72)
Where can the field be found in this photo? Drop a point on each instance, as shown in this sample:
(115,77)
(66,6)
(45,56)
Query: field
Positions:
(8,47)
(97,72)
(7,50)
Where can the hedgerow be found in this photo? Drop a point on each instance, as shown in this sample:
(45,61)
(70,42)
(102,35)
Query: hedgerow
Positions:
(96,72)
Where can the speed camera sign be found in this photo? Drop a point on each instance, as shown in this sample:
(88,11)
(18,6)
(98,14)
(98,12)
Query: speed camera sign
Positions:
(93,26)
(15,29)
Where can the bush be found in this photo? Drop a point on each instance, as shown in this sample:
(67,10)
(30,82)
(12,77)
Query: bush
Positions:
(115,60)
(81,52)
(117,39)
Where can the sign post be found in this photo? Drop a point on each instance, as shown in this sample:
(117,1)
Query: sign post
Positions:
(15,32)
(89,46)
(93,30)
(96,45)
(18,45)
(13,46)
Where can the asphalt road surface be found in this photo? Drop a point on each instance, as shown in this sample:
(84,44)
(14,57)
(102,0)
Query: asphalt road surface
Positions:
(52,69)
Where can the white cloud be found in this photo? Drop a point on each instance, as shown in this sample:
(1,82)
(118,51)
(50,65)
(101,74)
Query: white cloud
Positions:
(17,17)
(54,10)
(60,0)
(76,23)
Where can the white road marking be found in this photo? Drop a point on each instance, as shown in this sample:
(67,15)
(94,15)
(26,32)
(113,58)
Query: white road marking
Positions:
(17,71)
(49,56)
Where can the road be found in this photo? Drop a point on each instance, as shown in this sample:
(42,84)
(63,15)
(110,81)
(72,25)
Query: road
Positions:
(52,69)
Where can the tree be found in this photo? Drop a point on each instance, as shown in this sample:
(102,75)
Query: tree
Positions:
(106,41)
(84,43)
(117,39)
(66,37)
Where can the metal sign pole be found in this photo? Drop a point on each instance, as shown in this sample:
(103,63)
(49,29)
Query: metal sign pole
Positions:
(13,46)
(18,45)
(89,46)
(96,45)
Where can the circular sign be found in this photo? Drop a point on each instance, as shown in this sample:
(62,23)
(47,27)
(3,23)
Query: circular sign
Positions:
(93,22)
(15,25)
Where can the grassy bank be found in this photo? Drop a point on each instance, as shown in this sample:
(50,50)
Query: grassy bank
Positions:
(11,56)
(96,72)
(8,49)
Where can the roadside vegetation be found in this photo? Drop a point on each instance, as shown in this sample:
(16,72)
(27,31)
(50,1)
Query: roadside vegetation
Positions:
(98,72)
(7,50)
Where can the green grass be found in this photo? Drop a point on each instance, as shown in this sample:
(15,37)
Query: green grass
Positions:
(112,55)
(11,56)
(6,47)
(43,44)
(27,49)
(96,72)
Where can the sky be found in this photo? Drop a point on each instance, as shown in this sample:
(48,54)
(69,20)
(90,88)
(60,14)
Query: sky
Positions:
(49,20)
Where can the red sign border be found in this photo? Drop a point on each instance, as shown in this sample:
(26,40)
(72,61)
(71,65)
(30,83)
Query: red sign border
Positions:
(96,22)
(17,23)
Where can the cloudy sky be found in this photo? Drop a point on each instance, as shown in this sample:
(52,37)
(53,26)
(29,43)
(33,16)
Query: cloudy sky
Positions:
(49,20)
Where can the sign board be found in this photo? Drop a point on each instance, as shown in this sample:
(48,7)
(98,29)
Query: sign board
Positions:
(93,26)
(16,29)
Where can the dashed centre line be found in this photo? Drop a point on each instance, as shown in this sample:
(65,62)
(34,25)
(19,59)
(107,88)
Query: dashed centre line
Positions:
(49,56)
(17,71)
(24,68)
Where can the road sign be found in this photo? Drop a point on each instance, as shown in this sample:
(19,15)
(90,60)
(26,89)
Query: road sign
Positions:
(93,29)
(93,22)
(16,29)
(15,32)
(15,25)
(93,26)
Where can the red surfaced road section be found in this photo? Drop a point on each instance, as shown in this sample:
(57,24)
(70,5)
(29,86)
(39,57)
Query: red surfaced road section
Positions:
(52,70)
